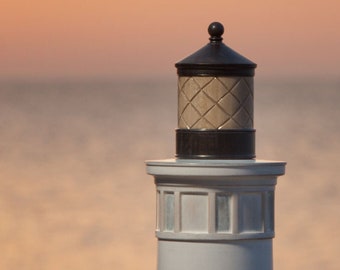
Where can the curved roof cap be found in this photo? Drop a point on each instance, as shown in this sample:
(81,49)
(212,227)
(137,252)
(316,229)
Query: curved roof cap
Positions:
(215,59)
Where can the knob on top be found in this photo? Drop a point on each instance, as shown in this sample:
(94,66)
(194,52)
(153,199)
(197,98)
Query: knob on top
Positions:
(215,31)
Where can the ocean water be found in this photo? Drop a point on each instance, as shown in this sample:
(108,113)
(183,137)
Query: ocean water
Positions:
(74,193)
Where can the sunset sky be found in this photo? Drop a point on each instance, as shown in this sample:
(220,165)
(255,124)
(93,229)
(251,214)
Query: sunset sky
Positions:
(124,38)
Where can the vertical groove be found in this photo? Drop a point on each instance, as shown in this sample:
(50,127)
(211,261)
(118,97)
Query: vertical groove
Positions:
(177,212)
(264,211)
(158,196)
(161,210)
(234,214)
(212,212)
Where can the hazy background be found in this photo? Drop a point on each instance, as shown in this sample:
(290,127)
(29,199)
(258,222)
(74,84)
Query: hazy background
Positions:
(124,38)
(88,92)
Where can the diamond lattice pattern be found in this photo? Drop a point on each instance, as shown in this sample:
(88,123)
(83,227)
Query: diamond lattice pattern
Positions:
(215,102)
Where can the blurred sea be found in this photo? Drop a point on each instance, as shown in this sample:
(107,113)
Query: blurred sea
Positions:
(73,189)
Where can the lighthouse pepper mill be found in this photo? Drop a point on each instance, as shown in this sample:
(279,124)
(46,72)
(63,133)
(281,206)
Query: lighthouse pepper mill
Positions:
(215,201)
(215,102)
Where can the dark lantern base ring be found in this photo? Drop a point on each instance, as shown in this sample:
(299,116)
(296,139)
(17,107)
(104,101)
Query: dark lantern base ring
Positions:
(215,144)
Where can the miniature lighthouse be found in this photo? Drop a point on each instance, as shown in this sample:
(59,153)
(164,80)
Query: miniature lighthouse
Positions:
(215,201)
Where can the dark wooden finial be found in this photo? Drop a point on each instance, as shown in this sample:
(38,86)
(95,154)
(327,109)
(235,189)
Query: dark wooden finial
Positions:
(216,31)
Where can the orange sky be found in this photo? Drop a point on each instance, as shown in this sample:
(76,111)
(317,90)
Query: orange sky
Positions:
(120,38)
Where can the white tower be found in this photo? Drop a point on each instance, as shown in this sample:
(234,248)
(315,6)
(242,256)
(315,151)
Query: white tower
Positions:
(215,201)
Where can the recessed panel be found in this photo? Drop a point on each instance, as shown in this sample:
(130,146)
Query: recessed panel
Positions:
(194,212)
(250,212)
(270,211)
(169,211)
(222,213)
